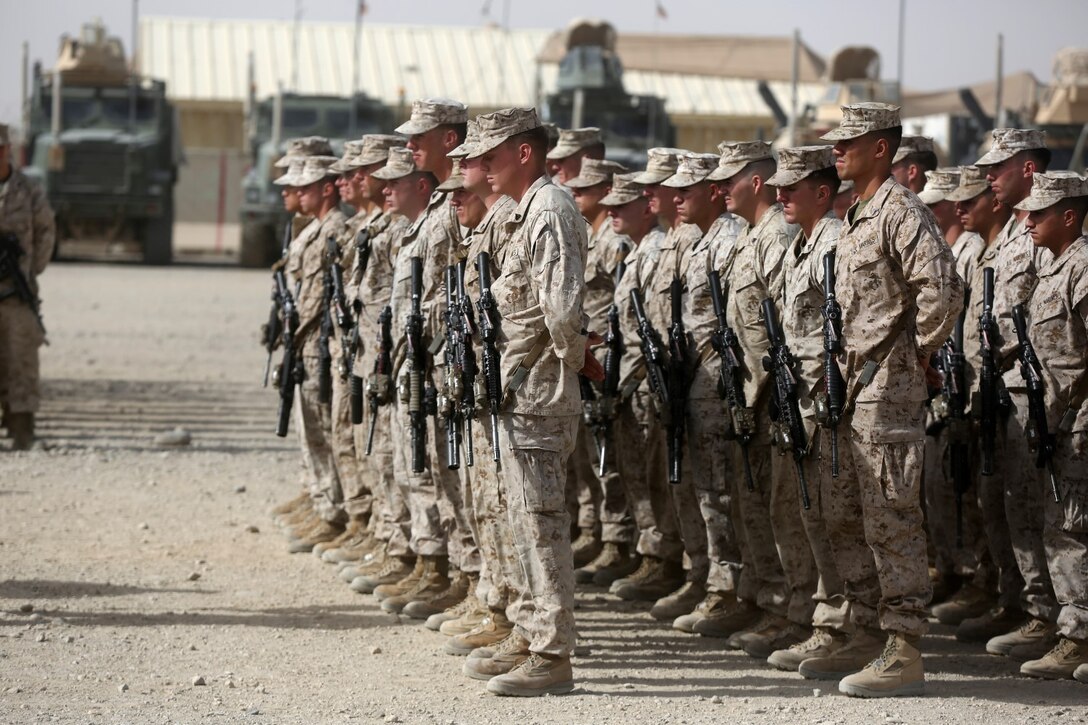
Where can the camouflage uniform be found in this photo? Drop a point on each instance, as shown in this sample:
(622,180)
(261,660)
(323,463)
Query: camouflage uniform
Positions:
(390,520)
(900,295)
(803,327)
(306,267)
(539,294)
(784,574)
(24,212)
(601,499)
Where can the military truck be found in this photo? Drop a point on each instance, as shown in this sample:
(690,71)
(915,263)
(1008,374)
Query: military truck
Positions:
(103,142)
(590,92)
(270,124)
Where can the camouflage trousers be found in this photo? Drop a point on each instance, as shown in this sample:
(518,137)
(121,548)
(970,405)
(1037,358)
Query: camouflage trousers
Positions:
(940,509)
(535,450)
(20,338)
(888,586)
(704,467)
(501,580)
(439,526)
(354,488)
(831,609)
(1025,494)
(599,499)
(640,446)
(315,435)
(779,574)
(389,518)
(1066,535)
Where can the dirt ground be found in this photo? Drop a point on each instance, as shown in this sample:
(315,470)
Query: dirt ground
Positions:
(147,568)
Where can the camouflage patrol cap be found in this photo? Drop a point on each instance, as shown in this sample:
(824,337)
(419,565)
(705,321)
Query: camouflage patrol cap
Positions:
(1007,142)
(1048,188)
(500,125)
(913,145)
(596,171)
(736,155)
(795,164)
(972,183)
(472,137)
(939,184)
(303,147)
(456,180)
(431,113)
(290,177)
(661,163)
(859,119)
(347,161)
(624,190)
(693,169)
(314,169)
(399,165)
(5,134)
(572,140)
(376,147)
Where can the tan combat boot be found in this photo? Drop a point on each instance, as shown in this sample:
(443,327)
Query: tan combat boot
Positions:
(1081,674)
(763,643)
(471,616)
(349,533)
(729,616)
(860,649)
(994,623)
(1059,663)
(897,672)
(452,614)
(655,578)
(822,643)
(390,573)
(1035,635)
(299,515)
(296,524)
(968,602)
(21,430)
(369,564)
(460,585)
(614,561)
(683,601)
(432,581)
(507,655)
(288,506)
(537,675)
(494,628)
(323,532)
(585,548)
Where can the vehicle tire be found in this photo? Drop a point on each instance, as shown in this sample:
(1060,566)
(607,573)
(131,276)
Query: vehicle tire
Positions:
(258,246)
(158,237)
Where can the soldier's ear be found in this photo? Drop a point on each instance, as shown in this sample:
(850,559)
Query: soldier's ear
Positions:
(1029,168)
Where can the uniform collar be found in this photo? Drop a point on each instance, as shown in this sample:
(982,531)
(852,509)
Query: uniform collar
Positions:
(873,206)
(523,206)
(1078,248)
(804,245)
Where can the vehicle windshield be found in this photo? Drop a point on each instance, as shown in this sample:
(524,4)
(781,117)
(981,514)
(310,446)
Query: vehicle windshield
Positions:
(330,118)
(104,108)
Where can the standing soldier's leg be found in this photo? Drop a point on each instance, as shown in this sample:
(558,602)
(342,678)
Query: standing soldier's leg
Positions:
(20,338)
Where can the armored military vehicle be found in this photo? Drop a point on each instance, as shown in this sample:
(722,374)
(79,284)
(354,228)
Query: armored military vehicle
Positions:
(103,142)
(590,92)
(272,122)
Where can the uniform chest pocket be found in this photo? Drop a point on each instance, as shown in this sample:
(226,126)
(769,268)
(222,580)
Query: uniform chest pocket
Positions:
(866,254)
(748,297)
(511,289)
(1048,312)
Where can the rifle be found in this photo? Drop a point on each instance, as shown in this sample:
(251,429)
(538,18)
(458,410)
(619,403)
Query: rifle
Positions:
(492,378)
(951,405)
(10,251)
(987,377)
(324,352)
(379,387)
(412,394)
(449,402)
(829,404)
(678,381)
(466,361)
(1041,441)
(289,374)
(730,383)
(610,392)
(657,365)
(338,304)
(274,329)
(785,412)
(355,384)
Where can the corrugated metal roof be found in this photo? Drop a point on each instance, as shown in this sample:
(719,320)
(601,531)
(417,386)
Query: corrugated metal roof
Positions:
(483,67)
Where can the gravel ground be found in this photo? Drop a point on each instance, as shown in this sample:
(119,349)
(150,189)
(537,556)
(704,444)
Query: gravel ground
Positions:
(142,584)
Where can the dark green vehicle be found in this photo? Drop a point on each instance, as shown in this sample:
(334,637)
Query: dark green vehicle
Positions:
(273,122)
(104,144)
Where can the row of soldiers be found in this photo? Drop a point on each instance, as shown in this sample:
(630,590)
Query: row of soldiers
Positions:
(749,457)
